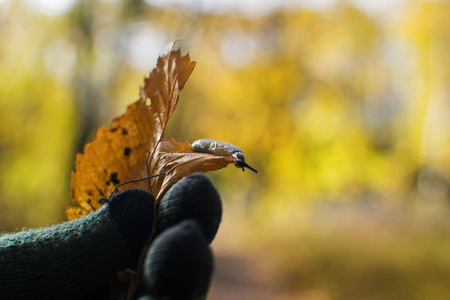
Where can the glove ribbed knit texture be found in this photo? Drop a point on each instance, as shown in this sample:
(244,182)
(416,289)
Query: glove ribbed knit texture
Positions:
(70,260)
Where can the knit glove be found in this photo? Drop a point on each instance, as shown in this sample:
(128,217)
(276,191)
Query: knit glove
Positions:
(179,263)
(76,259)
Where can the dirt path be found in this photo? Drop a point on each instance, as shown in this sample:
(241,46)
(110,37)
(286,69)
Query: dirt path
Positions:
(239,277)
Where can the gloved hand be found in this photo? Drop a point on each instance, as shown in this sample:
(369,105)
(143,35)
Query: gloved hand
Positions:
(75,259)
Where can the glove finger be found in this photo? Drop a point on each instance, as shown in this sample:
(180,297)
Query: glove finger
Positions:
(179,263)
(193,197)
(133,212)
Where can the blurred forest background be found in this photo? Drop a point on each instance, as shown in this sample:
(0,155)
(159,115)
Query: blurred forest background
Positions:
(343,107)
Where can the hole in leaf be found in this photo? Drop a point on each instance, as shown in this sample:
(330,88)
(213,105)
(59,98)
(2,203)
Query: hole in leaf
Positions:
(126,151)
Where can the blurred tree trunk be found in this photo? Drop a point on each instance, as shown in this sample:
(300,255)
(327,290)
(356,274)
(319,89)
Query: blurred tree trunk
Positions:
(88,96)
(90,93)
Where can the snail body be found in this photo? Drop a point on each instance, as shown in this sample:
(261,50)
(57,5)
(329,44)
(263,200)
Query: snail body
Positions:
(222,149)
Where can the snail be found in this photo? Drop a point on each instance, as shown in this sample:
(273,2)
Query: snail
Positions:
(222,149)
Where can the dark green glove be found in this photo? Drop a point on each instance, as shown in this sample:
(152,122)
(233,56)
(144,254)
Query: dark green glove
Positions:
(179,262)
(73,259)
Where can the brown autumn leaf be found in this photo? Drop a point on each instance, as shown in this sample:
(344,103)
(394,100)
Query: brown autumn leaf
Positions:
(119,152)
(178,160)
